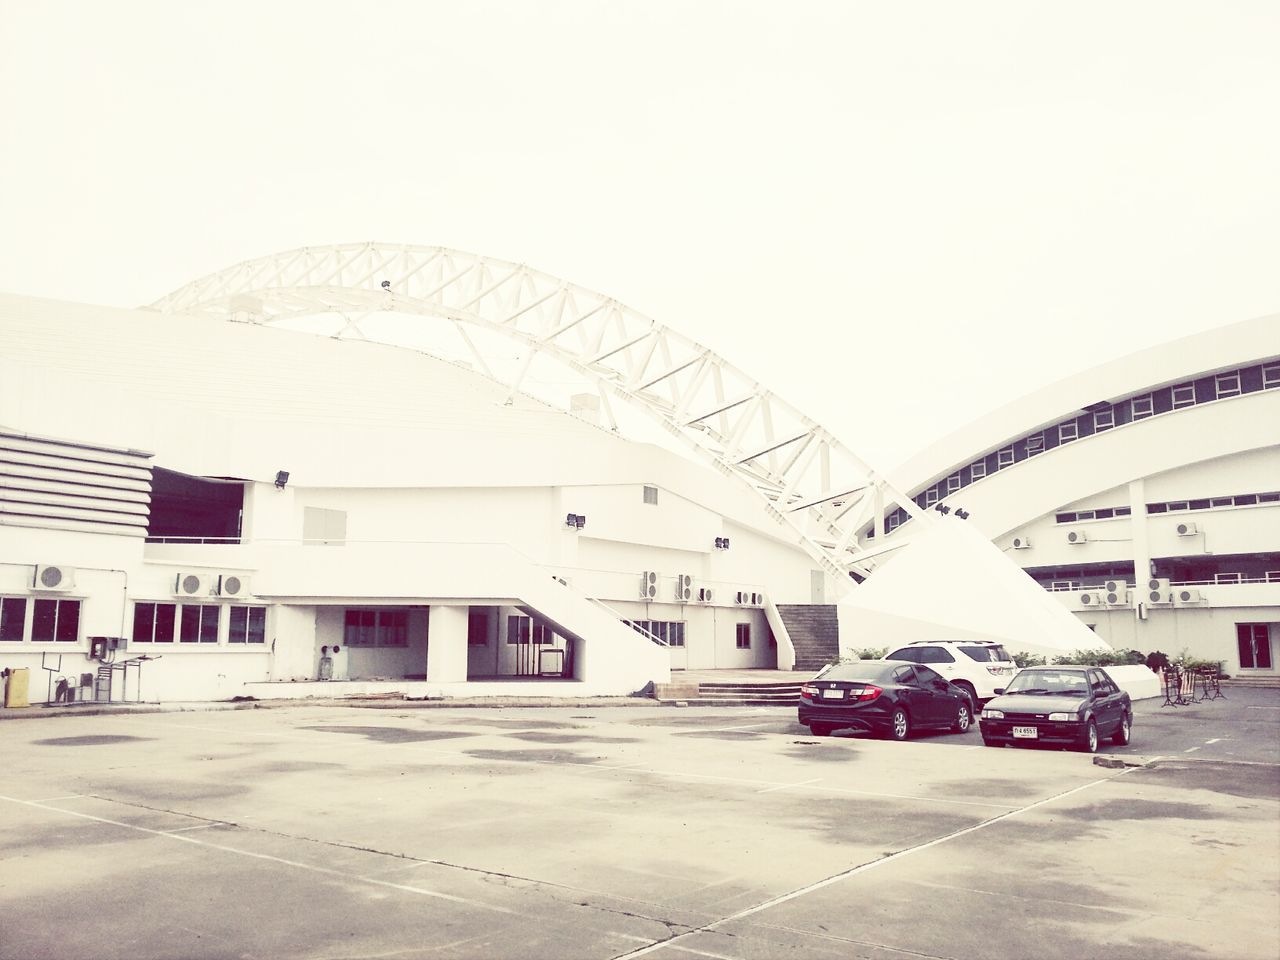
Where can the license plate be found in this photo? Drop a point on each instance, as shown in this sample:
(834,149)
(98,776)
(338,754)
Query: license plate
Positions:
(832,694)
(1025,733)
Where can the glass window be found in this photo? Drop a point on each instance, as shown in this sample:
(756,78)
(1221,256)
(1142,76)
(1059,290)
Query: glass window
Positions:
(154,622)
(1227,384)
(248,625)
(1184,395)
(953,483)
(1270,375)
(744,636)
(931,496)
(199,623)
(393,628)
(1068,431)
(360,628)
(986,653)
(518,630)
(978,469)
(904,675)
(477,629)
(1104,419)
(1035,444)
(927,676)
(906,653)
(1142,407)
(934,655)
(1004,458)
(13,619)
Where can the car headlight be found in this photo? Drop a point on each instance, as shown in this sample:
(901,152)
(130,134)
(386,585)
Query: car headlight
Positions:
(1063,717)
(993,714)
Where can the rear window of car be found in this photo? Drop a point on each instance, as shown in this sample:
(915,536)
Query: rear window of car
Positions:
(906,653)
(987,653)
(862,670)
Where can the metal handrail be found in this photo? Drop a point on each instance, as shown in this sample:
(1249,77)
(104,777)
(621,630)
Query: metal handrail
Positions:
(640,630)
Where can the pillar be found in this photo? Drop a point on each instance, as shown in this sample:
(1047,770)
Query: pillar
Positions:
(447,644)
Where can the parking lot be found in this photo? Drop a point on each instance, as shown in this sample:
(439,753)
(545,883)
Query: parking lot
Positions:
(597,832)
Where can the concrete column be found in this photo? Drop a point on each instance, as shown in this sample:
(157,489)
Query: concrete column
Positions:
(1138,524)
(447,645)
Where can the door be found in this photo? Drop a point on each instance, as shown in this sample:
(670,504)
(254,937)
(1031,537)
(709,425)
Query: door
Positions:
(1107,707)
(1253,641)
(940,702)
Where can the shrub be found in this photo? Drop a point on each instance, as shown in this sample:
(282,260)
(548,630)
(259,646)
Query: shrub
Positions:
(1102,657)
(870,653)
(1024,659)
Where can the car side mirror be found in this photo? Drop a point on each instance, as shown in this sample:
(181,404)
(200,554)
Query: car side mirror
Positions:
(998,691)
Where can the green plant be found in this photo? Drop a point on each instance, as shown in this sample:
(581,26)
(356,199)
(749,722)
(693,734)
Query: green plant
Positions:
(870,653)
(1024,659)
(1101,657)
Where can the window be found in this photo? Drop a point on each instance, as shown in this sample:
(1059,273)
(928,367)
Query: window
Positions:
(1221,501)
(1176,505)
(978,469)
(55,620)
(1064,518)
(248,625)
(906,653)
(1068,431)
(325,528)
(1226,578)
(986,654)
(1254,643)
(153,622)
(926,677)
(1142,407)
(477,629)
(744,636)
(376,628)
(934,655)
(1004,458)
(1084,515)
(1104,419)
(650,494)
(1035,444)
(953,483)
(670,632)
(518,630)
(13,619)
(199,623)
(1227,384)
(1184,395)
(1268,497)
(931,496)
(1124,511)
(1270,375)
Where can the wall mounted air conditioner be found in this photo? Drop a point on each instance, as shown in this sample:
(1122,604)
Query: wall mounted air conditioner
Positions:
(50,576)
(757,599)
(1187,529)
(742,597)
(706,595)
(1091,598)
(1116,592)
(233,585)
(1187,595)
(193,585)
(648,585)
(1159,594)
(1077,536)
(1021,543)
(684,587)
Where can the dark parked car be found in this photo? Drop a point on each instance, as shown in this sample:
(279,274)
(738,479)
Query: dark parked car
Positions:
(888,697)
(1071,706)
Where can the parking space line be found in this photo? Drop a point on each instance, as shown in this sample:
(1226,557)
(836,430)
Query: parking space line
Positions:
(71,796)
(198,826)
(788,786)
(865,867)
(325,871)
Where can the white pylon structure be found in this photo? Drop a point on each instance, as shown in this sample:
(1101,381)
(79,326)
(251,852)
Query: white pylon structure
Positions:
(810,483)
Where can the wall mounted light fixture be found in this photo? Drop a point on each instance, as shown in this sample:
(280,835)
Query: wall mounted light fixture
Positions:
(282,477)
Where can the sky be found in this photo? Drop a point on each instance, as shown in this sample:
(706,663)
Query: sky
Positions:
(898,217)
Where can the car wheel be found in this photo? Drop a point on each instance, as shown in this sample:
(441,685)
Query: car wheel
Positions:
(971,694)
(964,717)
(1089,740)
(899,725)
(820,729)
(1121,736)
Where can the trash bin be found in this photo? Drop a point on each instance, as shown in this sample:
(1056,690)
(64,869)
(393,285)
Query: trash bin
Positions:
(15,688)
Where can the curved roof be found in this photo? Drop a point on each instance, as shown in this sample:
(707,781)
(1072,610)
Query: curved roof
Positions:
(1172,362)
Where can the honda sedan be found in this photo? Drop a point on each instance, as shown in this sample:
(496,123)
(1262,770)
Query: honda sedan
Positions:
(890,698)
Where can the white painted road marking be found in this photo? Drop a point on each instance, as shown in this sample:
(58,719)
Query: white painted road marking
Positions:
(788,786)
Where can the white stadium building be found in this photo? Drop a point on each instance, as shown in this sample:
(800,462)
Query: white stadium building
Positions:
(203,499)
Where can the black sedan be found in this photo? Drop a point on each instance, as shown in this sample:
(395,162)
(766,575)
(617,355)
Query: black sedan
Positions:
(887,697)
(1065,706)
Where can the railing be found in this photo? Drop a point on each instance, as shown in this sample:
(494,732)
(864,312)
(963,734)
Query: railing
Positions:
(1271,576)
(621,619)
(231,540)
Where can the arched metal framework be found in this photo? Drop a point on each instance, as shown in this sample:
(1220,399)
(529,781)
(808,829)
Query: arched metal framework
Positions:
(808,480)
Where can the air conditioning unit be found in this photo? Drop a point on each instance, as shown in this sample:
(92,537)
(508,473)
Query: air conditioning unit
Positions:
(706,594)
(684,587)
(757,599)
(1159,594)
(51,577)
(193,585)
(648,585)
(1187,530)
(1077,536)
(1091,598)
(1187,595)
(1116,592)
(1158,583)
(742,597)
(1021,543)
(233,585)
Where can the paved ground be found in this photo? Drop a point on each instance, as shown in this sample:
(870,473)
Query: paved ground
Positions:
(336,831)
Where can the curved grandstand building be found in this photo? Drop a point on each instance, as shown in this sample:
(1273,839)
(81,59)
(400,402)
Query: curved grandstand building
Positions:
(1144,494)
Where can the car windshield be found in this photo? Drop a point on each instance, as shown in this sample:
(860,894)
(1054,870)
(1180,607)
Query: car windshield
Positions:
(873,670)
(987,653)
(1049,682)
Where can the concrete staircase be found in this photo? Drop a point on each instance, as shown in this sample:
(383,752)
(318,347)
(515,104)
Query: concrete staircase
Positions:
(728,694)
(1264,682)
(815,634)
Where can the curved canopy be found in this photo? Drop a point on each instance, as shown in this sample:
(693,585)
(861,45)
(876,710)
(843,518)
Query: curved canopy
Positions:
(807,480)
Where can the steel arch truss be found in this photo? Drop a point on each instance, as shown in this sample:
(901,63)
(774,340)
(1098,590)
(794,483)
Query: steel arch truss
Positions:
(809,482)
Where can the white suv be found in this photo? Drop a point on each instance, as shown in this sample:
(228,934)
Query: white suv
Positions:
(976,666)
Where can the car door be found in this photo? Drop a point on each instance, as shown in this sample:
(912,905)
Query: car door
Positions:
(909,693)
(1106,703)
(938,703)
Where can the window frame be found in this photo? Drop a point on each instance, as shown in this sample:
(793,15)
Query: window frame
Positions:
(1188,398)
(1104,419)
(1001,461)
(1225,378)
(7,618)
(742,632)
(1148,407)
(1271,375)
(156,606)
(250,610)
(977,470)
(1063,436)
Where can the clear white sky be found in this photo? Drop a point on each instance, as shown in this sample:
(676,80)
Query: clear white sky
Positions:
(897,215)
